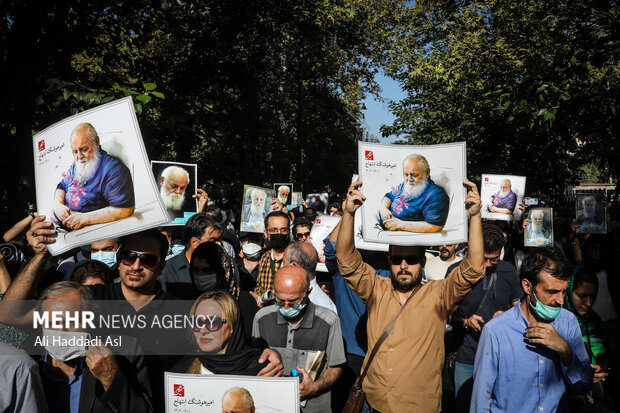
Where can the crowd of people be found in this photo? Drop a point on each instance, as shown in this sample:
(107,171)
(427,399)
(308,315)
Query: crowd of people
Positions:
(486,325)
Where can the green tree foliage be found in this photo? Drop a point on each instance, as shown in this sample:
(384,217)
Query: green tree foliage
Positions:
(254,92)
(531,86)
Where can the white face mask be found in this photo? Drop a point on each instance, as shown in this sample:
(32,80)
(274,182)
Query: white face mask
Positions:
(106,257)
(65,345)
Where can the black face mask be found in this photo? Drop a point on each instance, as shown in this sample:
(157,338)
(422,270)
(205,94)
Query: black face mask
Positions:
(278,241)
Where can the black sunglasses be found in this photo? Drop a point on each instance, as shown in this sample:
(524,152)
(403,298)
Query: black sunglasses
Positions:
(149,261)
(411,259)
(211,323)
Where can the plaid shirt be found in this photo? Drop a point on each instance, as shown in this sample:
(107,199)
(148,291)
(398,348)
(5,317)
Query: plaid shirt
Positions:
(267,267)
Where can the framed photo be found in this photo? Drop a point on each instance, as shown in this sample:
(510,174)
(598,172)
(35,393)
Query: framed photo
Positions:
(539,231)
(591,214)
(318,201)
(256,206)
(284,192)
(501,196)
(296,199)
(414,194)
(93,177)
(200,393)
(177,183)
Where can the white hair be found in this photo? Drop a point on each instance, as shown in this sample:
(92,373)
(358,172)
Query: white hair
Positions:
(91,132)
(538,213)
(166,173)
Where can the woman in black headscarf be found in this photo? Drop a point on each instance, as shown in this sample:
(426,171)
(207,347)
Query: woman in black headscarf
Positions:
(220,345)
(209,271)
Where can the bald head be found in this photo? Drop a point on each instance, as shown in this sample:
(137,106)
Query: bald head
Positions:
(291,279)
(237,400)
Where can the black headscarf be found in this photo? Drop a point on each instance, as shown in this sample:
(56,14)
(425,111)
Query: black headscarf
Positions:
(240,358)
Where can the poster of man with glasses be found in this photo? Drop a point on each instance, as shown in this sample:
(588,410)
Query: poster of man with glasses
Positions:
(414,194)
(93,177)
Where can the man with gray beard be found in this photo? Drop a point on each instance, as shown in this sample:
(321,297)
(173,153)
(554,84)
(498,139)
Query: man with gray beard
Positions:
(417,204)
(173,183)
(504,201)
(97,187)
(536,232)
(255,212)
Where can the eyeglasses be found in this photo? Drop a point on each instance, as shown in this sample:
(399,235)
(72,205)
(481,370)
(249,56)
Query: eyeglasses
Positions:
(492,260)
(149,261)
(282,303)
(210,322)
(411,259)
(278,230)
(301,235)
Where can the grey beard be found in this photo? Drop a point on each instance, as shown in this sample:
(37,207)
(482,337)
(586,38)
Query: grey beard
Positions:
(171,201)
(537,227)
(256,209)
(90,168)
(415,191)
(503,194)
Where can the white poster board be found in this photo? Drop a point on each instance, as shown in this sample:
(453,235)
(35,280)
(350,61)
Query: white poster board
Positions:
(322,227)
(121,177)
(501,196)
(202,393)
(175,192)
(392,215)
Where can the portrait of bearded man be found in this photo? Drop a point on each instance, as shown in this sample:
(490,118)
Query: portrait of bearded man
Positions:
(536,233)
(255,211)
(590,215)
(97,188)
(173,184)
(505,200)
(417,204)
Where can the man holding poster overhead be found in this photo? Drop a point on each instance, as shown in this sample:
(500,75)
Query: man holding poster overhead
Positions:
(405,375)
(417,204)
(96,189)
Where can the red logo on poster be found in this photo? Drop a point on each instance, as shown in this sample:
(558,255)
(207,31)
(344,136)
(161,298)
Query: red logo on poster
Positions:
(486,179)
(41,145)
(179,390)
(369,156)
(318,221)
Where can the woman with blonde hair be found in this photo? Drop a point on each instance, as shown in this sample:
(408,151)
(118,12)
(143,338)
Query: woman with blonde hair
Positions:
(218,338)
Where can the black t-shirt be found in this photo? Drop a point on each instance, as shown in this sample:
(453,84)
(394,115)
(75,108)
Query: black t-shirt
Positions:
(505,291)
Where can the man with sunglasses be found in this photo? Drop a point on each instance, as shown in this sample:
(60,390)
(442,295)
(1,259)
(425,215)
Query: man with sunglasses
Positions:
(295,326)
(497,292)
(405,375)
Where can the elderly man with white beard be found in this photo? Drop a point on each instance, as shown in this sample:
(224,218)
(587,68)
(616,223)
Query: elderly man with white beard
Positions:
(255,212)
(96,189)
(173,183)
(590,218)
(536,233)
(504,201)
(417,204)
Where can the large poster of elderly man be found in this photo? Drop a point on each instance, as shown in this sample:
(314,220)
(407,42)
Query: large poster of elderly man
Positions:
(591,214)
(539,228)
(218,393)
(414,194)
(177,185)
(501,196)
(256,206)
(93,177)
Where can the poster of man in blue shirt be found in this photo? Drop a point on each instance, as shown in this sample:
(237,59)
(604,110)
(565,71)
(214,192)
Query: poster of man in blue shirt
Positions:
(417,204)
(97,188)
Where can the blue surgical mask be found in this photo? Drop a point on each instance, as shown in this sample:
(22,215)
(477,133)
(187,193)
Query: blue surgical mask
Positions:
(544,312)
(293,311)
(106,257)
(177,249)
